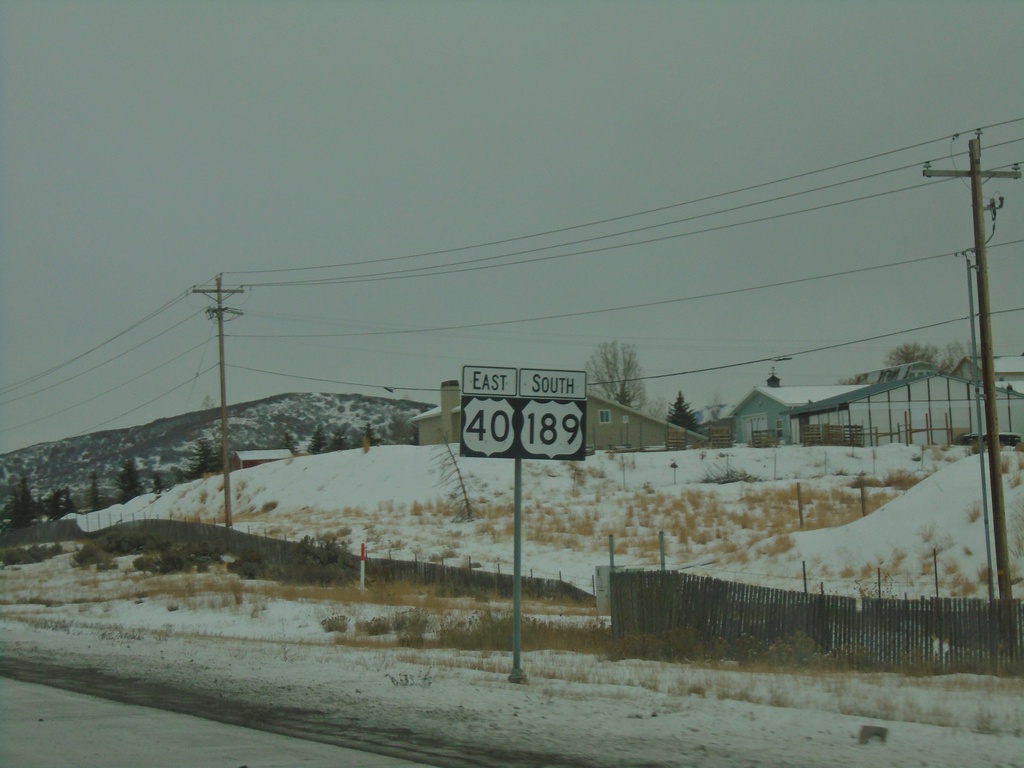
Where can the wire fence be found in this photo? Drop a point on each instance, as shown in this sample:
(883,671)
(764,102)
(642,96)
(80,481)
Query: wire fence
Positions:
(279,551)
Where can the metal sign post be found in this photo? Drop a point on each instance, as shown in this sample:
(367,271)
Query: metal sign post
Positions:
(517,675)
(528,413)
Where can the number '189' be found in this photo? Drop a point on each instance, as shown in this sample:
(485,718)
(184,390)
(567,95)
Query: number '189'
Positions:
(547,430)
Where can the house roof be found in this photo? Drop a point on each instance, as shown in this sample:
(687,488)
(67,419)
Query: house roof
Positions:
(271,455)
(795,396)
(1009,364)
(872,389)
(432,413)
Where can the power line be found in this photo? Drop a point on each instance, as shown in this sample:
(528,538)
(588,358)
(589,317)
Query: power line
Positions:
(334,381)
(708,369)
(582,313)
(35,377)
(107,391)
(485,262)
(621,217)
(148,402)
(100,365)
(805,351)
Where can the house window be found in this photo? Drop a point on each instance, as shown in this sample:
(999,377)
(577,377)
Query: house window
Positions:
(604,416)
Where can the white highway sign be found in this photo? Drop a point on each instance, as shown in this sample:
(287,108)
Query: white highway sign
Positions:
(527,413)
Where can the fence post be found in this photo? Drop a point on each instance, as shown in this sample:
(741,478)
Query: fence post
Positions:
(803,563)
(863,502)
(800,504)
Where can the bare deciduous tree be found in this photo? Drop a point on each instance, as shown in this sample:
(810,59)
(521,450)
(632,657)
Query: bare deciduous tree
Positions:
(944,359)
(616,372)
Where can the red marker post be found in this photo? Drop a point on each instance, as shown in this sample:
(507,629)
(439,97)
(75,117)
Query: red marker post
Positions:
(362,566)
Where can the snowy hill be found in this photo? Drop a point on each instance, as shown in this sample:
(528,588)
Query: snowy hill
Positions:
(164,445)
(915,508)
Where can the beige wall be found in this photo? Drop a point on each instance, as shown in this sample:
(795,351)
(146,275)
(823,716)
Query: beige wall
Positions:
(624,427)
(443,427)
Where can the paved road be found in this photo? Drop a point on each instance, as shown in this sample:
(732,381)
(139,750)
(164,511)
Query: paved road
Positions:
(43,727)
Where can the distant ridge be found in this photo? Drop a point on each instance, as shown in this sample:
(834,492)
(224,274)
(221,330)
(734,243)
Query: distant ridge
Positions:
(165,445)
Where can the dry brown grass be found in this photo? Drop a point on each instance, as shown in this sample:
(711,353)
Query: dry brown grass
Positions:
(902,480)
(776,546)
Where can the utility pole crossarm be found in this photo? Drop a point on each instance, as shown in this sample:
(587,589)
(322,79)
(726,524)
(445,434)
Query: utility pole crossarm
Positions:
(966,174)
(214,292)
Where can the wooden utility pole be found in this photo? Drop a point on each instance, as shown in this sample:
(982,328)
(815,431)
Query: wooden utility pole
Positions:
(988,378)
(218,293)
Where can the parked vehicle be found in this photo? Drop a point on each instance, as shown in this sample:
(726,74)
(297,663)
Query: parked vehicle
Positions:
(1010,439)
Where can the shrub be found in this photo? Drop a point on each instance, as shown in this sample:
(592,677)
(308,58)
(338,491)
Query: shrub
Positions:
(374,627)
(91,554)
(411,627)
(160,556)
(147,563)
(125,541)
(724,475)
(27,555)
(337,623)
(248,564)
(797,650)
(315,561)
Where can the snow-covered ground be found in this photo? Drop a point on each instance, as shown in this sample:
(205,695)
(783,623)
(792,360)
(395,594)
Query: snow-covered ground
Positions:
(249,644)
(396,500)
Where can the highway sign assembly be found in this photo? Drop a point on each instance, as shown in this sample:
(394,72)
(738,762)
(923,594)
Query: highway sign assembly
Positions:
(527,413)
(522,413)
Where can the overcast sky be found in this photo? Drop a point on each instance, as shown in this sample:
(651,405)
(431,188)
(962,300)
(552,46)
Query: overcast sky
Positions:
(474,183)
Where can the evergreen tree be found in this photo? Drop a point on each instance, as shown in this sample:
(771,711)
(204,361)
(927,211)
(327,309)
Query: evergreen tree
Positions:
(399,430)
(59,504)
(318,442)
(204,460)
(338,441)
(681,414)
(129,485)
(94,497)
(158,483)
(22,509)
(287,441)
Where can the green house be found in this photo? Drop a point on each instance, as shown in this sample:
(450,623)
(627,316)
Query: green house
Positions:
(761,417)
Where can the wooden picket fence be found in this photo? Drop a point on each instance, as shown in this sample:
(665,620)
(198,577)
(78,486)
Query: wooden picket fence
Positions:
(832,434)
(945,633)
